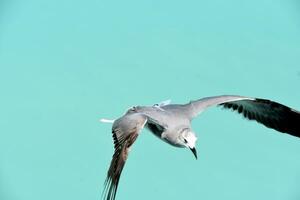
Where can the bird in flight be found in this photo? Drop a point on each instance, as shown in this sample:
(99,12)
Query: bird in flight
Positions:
(172,124)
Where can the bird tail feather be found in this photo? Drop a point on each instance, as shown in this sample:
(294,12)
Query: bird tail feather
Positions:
(107,120)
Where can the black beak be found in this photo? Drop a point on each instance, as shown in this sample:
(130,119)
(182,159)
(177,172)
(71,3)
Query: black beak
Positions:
(194,152)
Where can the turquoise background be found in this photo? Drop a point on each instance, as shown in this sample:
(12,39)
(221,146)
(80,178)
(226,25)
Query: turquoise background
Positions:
(65,64)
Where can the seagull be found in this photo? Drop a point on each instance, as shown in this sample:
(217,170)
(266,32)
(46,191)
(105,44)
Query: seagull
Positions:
(172,124)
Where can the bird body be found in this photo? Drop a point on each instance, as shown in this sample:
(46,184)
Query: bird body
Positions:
(167,122)
(172,124)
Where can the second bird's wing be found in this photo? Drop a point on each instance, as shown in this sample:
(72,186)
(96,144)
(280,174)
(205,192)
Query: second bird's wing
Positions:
(269,113)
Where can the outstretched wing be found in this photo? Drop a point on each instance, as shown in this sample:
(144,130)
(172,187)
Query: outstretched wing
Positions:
(269,113)
(125,130)
(194,108)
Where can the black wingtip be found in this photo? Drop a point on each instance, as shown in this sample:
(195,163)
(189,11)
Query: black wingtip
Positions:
(269,113)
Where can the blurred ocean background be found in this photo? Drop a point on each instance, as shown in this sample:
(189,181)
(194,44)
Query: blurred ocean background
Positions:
(65,64)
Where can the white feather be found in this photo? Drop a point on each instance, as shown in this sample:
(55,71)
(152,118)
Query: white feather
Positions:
(164,103)
(107,120)
(161,104)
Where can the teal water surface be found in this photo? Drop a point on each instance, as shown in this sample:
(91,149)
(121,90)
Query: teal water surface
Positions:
(66,64)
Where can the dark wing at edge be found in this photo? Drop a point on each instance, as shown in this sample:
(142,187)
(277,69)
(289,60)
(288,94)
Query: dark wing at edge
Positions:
(125,131)
(269,113)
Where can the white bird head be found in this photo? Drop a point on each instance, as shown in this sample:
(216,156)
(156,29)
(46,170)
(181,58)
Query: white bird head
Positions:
(188,139)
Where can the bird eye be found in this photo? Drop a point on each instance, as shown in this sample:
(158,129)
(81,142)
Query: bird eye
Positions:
(184,140)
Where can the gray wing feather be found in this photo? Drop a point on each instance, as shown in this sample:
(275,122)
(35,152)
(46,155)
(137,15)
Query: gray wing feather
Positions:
(125,131)
(194,108)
